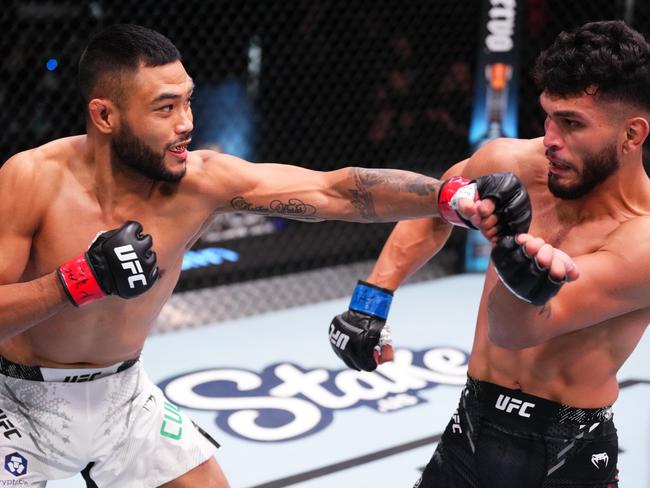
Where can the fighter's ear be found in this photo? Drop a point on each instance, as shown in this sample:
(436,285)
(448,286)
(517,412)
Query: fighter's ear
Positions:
(636,131)
(103,114)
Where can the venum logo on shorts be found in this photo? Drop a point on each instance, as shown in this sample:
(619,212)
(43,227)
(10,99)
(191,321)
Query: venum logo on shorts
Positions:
(286,401)
(509,404)
(129,260)
(16,464)
(7,426)
(600,459)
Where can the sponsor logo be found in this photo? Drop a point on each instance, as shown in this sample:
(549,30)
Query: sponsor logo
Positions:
(338,338)
(172,424)
(7,426)
(80,378)
(130,262)
(16,464)
(501,25)
(286,401)
(598,459)
(455,425)
(509,404)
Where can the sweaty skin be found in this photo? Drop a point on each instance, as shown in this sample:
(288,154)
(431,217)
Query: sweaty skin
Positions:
(57,197)
(570,349)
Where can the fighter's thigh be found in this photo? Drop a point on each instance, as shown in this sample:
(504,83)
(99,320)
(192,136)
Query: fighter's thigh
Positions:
(453,464)
(207,475)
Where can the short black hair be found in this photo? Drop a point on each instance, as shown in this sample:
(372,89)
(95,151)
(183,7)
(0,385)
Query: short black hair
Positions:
(607,57)
(118,50)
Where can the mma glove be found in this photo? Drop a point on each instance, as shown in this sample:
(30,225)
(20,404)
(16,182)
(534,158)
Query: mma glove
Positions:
(508,193)
(356,334)
(522,275)
(118,262)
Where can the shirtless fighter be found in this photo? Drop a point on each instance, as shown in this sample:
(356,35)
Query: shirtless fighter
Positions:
(94,228)
(542,372)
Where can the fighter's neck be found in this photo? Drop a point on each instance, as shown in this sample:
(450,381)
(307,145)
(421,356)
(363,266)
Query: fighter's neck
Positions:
(110,182)
(624,195)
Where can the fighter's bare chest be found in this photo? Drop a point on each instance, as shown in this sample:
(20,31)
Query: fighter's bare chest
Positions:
(67,229)
(575,237)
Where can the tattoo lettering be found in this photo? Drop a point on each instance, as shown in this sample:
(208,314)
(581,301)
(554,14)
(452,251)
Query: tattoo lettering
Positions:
(294,208)
(240,205)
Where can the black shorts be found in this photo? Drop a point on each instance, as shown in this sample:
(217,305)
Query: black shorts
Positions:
(502,438)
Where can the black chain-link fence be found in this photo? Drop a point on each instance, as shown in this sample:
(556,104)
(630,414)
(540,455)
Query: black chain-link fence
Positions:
(319,83)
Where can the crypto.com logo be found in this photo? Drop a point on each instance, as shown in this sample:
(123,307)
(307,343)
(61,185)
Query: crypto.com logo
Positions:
(286,401)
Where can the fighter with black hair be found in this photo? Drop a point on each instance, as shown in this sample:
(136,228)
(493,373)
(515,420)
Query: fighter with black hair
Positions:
(536,410)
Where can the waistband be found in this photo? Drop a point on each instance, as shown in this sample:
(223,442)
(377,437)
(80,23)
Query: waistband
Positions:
(514,406)
(65,375)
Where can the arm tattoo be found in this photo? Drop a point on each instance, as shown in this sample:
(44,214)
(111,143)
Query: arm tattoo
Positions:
(294,208)
(362,200)
(393,180)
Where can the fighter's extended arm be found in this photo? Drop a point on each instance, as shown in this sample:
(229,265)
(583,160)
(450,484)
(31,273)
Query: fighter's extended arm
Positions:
(360,333)
(351,194)
(613,282)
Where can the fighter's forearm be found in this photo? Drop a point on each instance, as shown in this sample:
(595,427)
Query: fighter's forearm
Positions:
(350,194)
(23,305)
(411,244)
(386,195)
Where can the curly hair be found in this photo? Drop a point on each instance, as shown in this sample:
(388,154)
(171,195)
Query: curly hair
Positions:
(606,58)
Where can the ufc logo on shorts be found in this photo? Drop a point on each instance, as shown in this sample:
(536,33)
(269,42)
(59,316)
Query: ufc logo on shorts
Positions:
(338,338)
(80,378)
(129,259)
(508,405)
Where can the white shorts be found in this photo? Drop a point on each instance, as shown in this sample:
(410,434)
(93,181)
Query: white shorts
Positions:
(112,423)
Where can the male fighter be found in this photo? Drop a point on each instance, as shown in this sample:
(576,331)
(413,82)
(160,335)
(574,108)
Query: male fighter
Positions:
(94,231)
(542,372)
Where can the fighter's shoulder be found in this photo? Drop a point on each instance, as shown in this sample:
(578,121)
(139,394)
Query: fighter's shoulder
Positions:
(206,165)
(214,174)
(517,156)
(637,227)
(628,239)
(43,164)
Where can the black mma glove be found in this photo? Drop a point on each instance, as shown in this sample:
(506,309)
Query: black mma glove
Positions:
(521,274)
(119,261)
(508,193)
(355,334)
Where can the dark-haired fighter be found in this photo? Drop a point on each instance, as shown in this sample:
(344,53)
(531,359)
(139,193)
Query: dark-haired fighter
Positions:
(542,372)
(94,228)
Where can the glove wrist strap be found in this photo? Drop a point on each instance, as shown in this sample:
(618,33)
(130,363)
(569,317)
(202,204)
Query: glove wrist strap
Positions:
(450,191)
(79,281)
(371,300)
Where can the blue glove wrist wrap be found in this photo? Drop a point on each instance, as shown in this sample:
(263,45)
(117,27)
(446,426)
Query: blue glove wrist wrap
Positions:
(371,300)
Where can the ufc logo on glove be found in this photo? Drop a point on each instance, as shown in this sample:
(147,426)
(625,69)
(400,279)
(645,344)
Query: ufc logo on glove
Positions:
(338,338)
(129,259)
